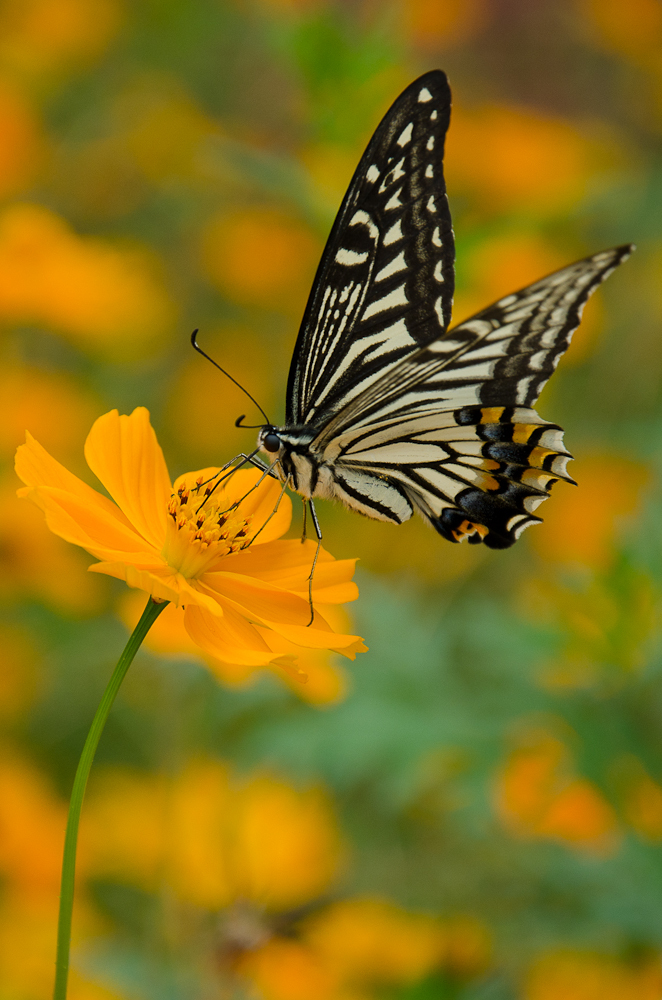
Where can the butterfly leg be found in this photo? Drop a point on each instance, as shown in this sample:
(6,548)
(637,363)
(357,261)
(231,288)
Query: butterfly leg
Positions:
(266,470)
(305,518)
(318,532)
(274,511)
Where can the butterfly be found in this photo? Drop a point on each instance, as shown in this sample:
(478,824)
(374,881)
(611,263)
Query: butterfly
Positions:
(389,410)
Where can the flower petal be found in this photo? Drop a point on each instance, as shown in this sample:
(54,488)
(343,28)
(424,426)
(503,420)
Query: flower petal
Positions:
(284,612)
(35,467)
(139,579)
(168,636)
(230,638)
(258,599)
(287,564)
(320,636)
(159,581)
(122,451)
(99,528)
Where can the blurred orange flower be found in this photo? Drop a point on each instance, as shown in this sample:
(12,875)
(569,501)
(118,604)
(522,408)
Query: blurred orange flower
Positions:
(641,797)
(40,36)
(285,969)
(261,257)
(501,264)
(538,796)
(510,159)
(27,945)
(431,24)
(165,129)
(20,150)
(50,403)
(634,30)
(18,677)
(154,539)
(585,975)
(510,260)
(354,948)
(608,623)
(32,824)
(372,940)
(581,526)
(330,167)
(213,839)
(99,296)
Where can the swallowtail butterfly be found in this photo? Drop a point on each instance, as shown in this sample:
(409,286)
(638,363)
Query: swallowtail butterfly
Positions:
(388,410)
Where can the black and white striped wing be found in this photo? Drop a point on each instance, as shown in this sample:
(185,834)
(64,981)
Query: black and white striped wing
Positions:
(450,431)
(385,282)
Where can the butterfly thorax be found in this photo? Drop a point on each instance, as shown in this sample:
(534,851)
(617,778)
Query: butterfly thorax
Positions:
(289,449)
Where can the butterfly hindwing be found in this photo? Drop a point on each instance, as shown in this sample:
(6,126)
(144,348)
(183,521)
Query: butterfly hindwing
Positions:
(385,282)
(450,428)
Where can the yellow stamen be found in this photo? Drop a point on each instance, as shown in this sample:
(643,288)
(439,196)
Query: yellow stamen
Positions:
(198,536)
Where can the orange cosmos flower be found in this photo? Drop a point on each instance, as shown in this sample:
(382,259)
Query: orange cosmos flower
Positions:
(235,595)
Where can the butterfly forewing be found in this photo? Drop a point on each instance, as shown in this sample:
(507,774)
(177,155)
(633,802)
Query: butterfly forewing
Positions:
(385,282)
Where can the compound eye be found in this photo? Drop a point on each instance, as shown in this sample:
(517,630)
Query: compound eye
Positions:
(271,443)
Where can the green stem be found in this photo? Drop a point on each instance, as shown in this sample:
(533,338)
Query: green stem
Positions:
(149,616)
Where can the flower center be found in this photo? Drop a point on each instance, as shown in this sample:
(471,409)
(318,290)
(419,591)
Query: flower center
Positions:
(201,530)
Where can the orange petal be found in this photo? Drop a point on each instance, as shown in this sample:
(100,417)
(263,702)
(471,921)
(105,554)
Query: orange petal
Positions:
(287,564)
(123,453)
(35,467)
(139,579)
(261,600)
(230,638)
(320,636)
(159,581)
(258,599)
(100,529)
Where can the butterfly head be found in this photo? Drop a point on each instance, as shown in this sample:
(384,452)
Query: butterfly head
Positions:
(269,440)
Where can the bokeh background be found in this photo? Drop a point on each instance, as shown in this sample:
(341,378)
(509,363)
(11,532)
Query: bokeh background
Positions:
(473,809)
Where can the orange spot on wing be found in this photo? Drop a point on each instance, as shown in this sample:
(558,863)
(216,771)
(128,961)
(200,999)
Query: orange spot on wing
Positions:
(468,528)
(538,456)
(522,432)
(491,414)
(484,482)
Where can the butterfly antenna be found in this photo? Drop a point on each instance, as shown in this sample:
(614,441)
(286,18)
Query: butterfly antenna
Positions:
(194,344)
